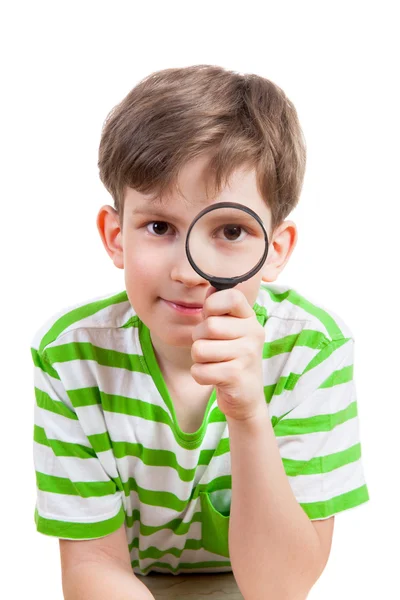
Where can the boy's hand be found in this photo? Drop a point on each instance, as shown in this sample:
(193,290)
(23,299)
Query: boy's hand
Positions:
(227,352)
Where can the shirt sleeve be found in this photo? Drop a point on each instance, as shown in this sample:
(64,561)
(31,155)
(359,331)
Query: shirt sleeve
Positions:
(79,495)
(319,437)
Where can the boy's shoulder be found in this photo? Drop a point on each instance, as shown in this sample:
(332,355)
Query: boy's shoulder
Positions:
(285,308)
(108,311)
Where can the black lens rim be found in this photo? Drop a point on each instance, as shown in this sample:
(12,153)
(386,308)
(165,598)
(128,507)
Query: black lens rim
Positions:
(222,283)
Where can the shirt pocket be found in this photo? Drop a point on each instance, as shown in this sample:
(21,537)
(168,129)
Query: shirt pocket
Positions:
(215,527)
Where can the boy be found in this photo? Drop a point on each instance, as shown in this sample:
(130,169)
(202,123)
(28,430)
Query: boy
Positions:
(179,429)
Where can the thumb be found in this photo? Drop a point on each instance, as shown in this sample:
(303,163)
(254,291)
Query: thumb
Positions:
(210,291)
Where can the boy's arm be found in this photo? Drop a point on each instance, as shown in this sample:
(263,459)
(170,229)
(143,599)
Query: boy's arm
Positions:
(100,569)
(103,580)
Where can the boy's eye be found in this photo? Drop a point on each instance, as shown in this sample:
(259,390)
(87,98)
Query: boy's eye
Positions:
(157,227)
(230,233)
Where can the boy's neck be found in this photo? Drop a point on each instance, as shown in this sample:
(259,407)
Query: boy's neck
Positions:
(175,359)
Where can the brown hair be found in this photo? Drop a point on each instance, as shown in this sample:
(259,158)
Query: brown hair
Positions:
(177,114)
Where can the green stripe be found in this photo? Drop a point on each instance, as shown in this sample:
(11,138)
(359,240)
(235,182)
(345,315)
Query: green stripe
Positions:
(275,297)
(177,525)
(103,356)
(154,552)
(325,352)
(89,396)
(101,442)
(261,313)
(77,314)
(63,485)
(292,296)
(40,361)
(169,499)
(44,401)
(62,448)
(37,358)
(322,464)
(214,564)
(286,382)
(315,424)
(79,531)
(321,510)
(131,322)
(307,337)
(343,375)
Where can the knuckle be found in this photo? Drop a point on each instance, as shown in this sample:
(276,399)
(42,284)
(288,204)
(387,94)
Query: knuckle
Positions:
(197,350)
(212,326)
(236,298)
(194,372)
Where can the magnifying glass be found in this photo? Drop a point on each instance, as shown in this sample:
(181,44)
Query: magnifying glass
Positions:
(226,244)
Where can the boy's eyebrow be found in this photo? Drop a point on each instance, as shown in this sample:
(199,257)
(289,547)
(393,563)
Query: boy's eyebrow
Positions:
(156,211)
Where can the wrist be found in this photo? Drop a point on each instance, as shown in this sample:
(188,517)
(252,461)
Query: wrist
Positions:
(253,420)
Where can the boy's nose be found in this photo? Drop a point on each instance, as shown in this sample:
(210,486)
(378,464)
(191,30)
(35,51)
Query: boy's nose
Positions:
(183,272)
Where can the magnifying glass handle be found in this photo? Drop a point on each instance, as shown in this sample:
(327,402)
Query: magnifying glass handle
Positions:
(222,286)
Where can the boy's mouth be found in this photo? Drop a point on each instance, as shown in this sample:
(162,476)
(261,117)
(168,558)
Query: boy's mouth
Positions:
(184,307)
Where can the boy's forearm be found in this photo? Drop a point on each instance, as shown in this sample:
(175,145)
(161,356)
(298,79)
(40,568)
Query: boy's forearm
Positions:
(274,548)
(103,581)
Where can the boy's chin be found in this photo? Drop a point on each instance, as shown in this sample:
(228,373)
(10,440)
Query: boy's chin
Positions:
(178,342)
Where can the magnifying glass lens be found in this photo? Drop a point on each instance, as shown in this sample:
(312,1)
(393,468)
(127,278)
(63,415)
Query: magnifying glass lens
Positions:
(226,242)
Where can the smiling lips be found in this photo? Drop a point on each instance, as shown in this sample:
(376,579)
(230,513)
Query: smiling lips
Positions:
(185,307)
(186,304)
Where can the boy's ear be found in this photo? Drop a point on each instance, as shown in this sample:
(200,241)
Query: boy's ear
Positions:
(281,246)
(108,225)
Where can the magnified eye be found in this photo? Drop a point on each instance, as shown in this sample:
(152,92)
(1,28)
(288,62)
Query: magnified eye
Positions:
(232,233)
(158,228)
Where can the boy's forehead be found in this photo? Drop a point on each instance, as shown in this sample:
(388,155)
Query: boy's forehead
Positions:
(192,195)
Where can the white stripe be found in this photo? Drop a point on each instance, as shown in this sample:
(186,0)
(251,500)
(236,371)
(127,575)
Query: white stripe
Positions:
(106,315)
(323,487)
(59,427)
(310,381)
(123,340)
(306,446)
(323,401)
(51,386)
(76,509)
(75,469)
(281,365)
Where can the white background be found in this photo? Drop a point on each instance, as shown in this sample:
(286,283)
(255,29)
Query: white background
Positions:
(64,66)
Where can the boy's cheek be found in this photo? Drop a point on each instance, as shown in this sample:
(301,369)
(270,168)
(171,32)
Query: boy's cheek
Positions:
(140,282)
(141,270)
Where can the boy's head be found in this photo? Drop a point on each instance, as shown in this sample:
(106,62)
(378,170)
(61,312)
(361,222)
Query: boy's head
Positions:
(183,139)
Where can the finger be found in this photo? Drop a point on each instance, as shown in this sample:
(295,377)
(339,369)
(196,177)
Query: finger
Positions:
(227,302)
(220,328)
(213,373)
(210,351)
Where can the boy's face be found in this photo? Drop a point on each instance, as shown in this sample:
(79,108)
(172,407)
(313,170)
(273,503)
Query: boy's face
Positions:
(151,250)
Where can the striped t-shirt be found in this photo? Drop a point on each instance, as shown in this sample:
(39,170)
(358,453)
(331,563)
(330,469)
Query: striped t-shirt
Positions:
(108,449)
